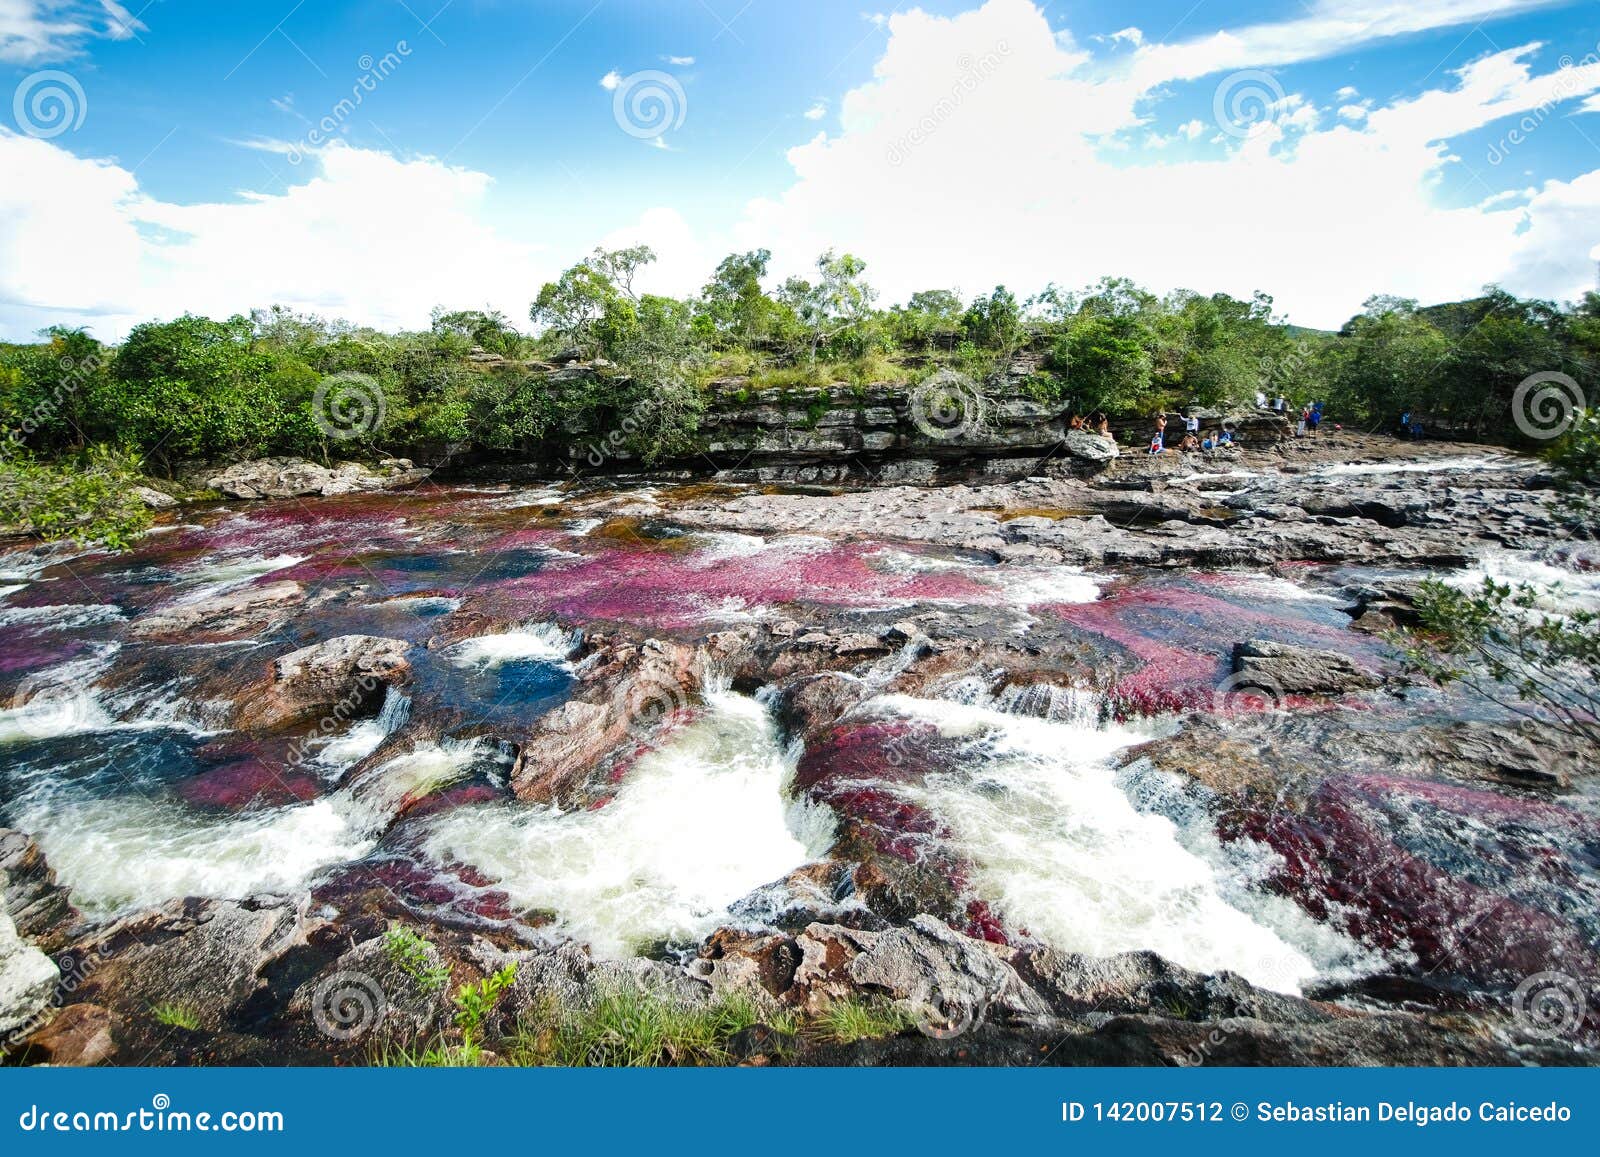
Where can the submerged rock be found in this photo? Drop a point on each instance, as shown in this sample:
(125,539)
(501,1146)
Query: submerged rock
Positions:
(243,610)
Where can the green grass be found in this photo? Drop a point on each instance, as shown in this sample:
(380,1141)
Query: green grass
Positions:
(433,1053)
(852,1018)
(634,1027)
(801,377)
(175,1016)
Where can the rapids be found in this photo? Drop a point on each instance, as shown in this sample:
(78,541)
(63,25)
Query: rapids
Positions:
(117,750)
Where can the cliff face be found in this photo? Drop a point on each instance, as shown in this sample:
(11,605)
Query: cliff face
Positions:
(894,432)
(945,428)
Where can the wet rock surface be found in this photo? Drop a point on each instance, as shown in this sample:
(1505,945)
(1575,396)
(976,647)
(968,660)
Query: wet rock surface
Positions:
(902,639)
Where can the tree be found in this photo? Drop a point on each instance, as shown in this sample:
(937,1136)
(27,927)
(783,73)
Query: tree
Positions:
(839,301)
(735,309)
(482,328)
(1107,363)
(573,306)
(1389,360)
(995,322)
(191,388)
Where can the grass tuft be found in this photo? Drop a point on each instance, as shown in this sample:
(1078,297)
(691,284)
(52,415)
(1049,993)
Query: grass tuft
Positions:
(175,1015)
(850,1019)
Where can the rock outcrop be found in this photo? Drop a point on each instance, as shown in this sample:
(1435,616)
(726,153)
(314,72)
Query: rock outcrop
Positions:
(346,677)
(297,478)
(1299,670)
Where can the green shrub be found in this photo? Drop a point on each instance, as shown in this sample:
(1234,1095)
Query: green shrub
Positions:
(89,501)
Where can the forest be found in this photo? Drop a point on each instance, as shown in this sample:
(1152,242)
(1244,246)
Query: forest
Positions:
(190,391)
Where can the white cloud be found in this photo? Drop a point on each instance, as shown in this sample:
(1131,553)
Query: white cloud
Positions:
(80,241)
(1591,105)
(1132,36)
(1353,112)
(912,182)
(817,111)
(1331,26)
(611,80)
(1348,92)
(679,61)
(35,31)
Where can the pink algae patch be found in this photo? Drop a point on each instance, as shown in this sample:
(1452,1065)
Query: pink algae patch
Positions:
(249,781)
(676,589)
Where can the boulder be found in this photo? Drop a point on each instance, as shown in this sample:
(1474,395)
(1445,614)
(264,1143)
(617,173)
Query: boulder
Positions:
(27,982)
(1301,670)
(347,676)
(950,982)
(232,964)
(297,478)
(628,692)
(373,994)
(40,908)
(153,498)
(1090,446)
(1076,985)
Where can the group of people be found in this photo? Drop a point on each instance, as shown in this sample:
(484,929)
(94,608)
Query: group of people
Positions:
(1192,438)
(1310,416)
(1095,423)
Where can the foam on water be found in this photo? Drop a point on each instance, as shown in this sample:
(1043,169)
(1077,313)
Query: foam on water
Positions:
(1266,586)
(695,826)
(1561,589)
(61,616)
(134,850)
(339,752)
(131,851)
(59,701)
(1031,587)
(544,642)
(1240,867)
(1062,852)
(215,575)
(1427,466)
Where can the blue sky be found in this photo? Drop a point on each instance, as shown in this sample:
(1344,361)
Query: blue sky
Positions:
(1321,151)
